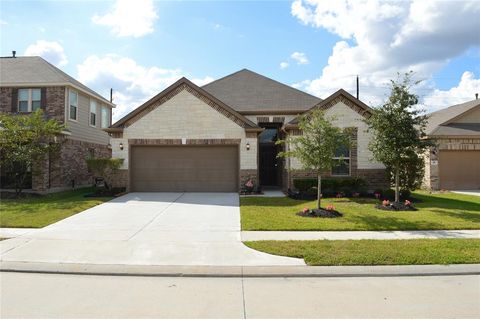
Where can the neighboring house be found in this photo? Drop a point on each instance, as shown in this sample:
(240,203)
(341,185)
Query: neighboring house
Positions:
(216,137)
(29,83)
(454,163)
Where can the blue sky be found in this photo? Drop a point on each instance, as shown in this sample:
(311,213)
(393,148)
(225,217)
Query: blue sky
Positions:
(139,47)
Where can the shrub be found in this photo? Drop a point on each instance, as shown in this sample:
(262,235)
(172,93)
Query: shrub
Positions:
(332,186)
(105,168)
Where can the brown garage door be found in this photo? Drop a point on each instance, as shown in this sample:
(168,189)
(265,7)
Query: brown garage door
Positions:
(459,169)
(184,168)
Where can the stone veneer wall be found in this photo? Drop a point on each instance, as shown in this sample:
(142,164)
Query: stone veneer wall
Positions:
(58,171)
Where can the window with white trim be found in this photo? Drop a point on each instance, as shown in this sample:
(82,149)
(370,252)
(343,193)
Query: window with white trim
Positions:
(93,113)
(105,117)
(73,105)
(29,100)
(341,166)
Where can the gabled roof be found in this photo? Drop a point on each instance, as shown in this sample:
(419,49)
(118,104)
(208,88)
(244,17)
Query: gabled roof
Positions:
(441,123)
(171,91)
(36,71)
(248,93)
(339,96)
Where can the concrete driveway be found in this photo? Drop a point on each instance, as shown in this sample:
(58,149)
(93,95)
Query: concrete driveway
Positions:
(146,229)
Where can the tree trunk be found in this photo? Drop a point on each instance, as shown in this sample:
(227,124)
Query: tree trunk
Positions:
(319,190)
(397,184)
(19,182)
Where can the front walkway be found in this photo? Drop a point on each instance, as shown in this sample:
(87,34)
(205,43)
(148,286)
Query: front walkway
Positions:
(468,192)
(146,229)
(356,235)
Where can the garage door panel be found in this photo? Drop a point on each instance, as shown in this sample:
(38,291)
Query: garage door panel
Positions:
(184,168)
(459,169)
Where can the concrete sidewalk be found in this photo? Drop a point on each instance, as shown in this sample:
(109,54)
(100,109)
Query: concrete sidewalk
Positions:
(357,235)
(15,232)
(468,192)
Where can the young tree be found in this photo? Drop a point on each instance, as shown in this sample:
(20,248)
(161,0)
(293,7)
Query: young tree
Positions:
(25,141)
(398,134)
(316,147)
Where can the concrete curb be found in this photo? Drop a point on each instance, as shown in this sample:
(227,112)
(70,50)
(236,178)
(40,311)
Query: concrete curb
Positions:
(241,271)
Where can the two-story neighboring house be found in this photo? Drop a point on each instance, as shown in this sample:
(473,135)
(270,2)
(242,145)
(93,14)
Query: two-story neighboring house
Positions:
(30,83)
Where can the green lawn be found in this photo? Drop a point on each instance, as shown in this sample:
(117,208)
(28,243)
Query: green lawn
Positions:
(436,211)
(376,252)
(38,212)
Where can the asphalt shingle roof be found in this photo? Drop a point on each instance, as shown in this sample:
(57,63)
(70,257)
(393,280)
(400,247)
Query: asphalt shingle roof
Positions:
(247,91)
(35,70)
(437,121)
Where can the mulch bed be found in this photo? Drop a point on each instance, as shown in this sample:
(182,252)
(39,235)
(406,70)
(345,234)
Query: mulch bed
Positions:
(396,207)
(320,213)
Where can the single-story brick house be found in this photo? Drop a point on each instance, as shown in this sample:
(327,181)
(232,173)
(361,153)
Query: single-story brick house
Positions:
(454,163)
(29,83)
(216,137)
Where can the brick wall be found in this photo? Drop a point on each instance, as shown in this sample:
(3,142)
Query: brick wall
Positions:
(58,171)
(5,100)
(54,100)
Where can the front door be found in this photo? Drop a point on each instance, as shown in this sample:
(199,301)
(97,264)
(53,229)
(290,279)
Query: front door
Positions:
(268,161)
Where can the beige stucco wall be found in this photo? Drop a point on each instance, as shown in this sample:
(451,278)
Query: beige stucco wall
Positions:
(186,116)
(346,117)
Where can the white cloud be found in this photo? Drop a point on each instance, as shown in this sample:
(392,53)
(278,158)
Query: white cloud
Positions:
(132,84)
(129,18)
(284,65)
(299,57)
(463,92)
(380,38)
(49,50)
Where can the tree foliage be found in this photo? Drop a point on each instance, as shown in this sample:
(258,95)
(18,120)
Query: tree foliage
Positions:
(25,141)
(317,145)
(399,134)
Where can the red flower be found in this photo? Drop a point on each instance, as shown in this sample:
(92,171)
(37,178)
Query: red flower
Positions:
(386,202)
(408,203)
(306,210)
(330,207)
